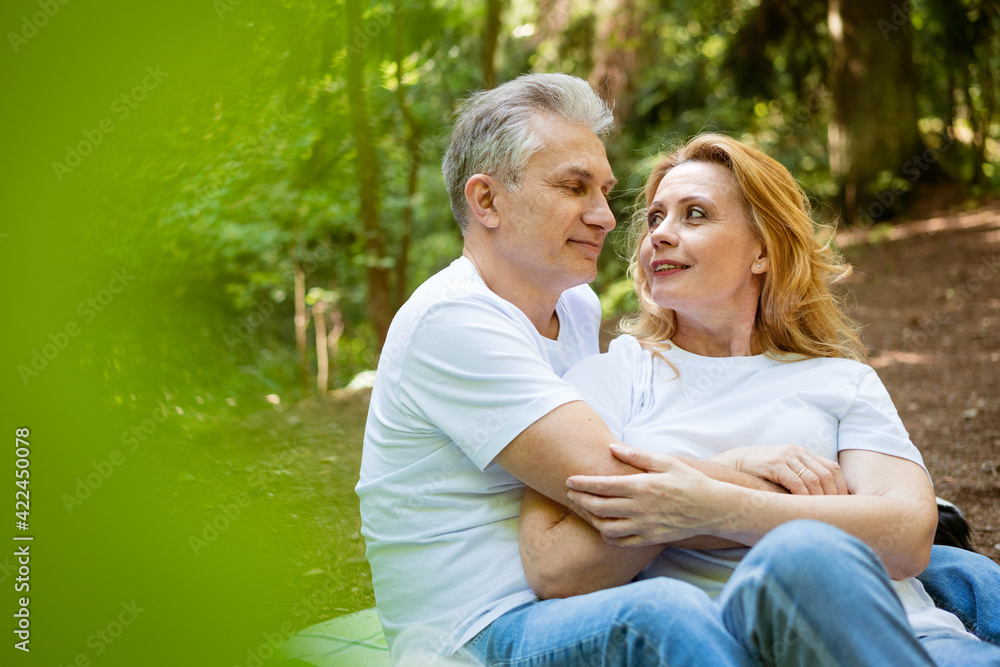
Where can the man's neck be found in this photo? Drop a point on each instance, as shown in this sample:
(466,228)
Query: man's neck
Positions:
(537,304)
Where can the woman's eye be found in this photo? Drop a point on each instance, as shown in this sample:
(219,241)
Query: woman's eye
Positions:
(696,213)
(653,219)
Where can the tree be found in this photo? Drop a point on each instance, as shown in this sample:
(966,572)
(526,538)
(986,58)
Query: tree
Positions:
(379,308)
(874,131)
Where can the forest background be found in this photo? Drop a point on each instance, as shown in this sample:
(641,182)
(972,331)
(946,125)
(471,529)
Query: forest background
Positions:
(212,209)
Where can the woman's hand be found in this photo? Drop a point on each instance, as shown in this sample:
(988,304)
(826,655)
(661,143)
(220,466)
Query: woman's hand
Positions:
(796,468)
(671,502)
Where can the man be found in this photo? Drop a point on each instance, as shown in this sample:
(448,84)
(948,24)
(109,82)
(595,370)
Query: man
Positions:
(469,406)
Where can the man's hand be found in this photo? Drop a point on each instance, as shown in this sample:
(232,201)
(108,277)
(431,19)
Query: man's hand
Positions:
(796,468)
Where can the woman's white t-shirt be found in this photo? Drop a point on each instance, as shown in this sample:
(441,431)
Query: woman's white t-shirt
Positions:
(686,404)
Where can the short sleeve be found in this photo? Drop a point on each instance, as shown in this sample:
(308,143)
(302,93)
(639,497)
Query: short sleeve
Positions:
(480,376)
(872,423)
(613,384)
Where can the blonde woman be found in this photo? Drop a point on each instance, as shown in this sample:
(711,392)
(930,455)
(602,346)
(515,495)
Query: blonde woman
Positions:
(740,348)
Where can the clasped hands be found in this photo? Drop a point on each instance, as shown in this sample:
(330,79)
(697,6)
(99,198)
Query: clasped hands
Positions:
(672,500)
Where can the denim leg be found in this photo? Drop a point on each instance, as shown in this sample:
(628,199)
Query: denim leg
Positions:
(948,651)
(809,594)
(968,585)
(657,621)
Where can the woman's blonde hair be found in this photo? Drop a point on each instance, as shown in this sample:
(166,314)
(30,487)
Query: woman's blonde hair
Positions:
(797,312)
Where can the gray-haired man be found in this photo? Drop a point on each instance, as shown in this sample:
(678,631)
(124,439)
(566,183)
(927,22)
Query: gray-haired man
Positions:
(468,403)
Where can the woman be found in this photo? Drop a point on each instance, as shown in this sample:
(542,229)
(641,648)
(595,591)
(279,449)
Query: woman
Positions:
(740,342)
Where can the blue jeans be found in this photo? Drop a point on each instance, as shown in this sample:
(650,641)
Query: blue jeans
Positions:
(968,585)
(807,594)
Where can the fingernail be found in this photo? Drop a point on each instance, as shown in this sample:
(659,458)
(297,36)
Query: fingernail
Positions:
(615,446)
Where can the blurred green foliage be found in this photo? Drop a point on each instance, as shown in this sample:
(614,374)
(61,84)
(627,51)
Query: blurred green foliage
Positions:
(244,167)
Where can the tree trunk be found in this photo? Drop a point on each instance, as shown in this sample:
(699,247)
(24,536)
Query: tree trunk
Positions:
(414,133)
(491,35)
(874,127)
(301,322)
(377,275)
(615,69)
(982,117)
(333,337)
(322,361)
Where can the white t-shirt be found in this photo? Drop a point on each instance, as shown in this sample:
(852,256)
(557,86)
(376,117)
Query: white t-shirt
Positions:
(706,405)
(462,373)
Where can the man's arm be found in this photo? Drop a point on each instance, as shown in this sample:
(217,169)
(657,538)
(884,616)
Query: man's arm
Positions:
(573,440)
(562,555)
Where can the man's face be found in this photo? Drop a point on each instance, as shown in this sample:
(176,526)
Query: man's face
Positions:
(552,229)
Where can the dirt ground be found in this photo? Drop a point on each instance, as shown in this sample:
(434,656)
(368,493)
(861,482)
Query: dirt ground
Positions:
(928,293)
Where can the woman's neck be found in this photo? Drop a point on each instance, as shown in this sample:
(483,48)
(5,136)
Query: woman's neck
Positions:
(717,340)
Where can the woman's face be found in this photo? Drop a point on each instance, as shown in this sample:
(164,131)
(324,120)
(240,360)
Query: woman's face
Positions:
(700,255)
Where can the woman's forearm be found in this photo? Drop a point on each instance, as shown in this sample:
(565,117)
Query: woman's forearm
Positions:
(892,509)
(899,531)
(891,506)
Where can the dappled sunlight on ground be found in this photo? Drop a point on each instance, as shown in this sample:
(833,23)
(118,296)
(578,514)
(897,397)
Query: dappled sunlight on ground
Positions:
(898,357)
(987,217)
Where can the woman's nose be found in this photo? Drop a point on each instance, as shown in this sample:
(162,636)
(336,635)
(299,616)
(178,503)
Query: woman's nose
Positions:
(663,233)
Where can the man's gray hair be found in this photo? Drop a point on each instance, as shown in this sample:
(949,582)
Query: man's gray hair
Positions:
(495,131)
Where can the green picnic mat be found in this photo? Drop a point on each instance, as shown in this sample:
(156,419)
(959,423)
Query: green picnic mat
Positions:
(355,640)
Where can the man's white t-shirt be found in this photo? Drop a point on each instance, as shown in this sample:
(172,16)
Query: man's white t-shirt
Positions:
(701,406)
(462,373)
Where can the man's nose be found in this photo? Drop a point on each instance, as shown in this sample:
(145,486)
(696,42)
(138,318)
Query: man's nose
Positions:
(600,214)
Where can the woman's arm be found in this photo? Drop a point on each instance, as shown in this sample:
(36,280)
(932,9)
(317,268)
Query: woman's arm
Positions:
(563,555)
(891,506)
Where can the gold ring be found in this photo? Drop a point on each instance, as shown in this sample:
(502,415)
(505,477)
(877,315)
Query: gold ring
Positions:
(799,473)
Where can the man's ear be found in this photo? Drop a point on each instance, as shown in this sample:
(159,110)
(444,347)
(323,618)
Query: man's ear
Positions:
(480,192)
